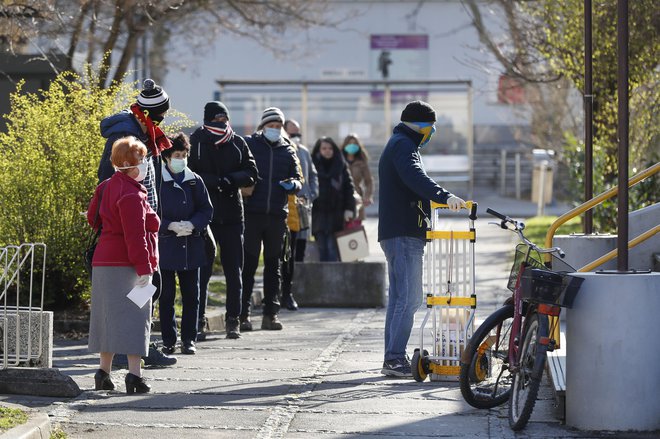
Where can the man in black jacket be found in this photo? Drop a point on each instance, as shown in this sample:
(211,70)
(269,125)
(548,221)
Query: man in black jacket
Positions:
(225,163)
(265,213)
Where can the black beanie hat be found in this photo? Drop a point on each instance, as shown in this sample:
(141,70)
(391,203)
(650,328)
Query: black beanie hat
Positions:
(213,109)
(418,111)
(153,98)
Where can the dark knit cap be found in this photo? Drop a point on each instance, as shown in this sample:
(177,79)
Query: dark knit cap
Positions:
(153,98)
(213,109)
(418,111)
(271,114)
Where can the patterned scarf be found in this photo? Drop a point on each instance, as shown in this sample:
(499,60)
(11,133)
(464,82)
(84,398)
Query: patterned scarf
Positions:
(220,130)
(157,140)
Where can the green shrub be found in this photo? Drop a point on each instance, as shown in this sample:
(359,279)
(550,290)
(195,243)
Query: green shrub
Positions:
(50,155)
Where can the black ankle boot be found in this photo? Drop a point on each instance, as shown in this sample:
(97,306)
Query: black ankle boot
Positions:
(136,384)
(102,381)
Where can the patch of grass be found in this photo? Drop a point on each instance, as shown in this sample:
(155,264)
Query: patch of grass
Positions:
(10,418)
(58,433)
(538,226)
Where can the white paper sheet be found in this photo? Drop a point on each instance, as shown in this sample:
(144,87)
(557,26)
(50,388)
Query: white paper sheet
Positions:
(141,295)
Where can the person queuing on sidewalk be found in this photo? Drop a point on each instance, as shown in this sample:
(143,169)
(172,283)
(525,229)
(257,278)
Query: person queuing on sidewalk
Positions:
(335,204)
(358,163)
(266,212)
(225,163)
(303,203)
(126,256)
(185,211)
(142,121)
(403,212)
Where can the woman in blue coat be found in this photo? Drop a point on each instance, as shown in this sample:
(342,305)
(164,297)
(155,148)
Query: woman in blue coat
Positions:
(185,211)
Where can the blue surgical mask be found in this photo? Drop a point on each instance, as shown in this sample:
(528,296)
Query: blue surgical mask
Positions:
(272,134)
(352,148)
(427,137)
(178,165)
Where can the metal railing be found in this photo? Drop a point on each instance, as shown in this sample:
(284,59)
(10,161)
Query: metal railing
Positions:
(649,172)
(21,301)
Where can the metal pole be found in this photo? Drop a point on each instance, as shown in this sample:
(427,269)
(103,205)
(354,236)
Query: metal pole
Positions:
(387,109)
(588,118)
(622,91)
(470,141)
(540,204)
(503,172)
(303,110)
(517,175)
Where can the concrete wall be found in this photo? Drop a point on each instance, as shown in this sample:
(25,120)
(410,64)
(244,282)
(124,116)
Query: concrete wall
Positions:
(340,284)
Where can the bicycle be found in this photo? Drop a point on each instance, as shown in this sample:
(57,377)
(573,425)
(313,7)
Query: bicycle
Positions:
(505,357)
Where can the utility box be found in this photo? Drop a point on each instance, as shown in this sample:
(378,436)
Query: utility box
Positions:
(543,170)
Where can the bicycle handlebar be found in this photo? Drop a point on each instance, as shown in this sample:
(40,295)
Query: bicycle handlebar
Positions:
(497,214)
(518,227)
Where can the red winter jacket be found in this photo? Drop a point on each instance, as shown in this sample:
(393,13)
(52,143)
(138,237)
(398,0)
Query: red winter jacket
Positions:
(130,226)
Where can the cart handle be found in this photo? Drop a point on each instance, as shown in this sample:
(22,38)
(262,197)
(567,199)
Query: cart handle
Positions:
(471,205)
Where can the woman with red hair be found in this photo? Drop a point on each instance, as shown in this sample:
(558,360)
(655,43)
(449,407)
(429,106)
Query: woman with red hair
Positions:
(126,256)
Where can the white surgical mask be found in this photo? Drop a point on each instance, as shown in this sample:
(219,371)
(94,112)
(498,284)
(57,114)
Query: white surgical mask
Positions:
(178,165)
(272,134)
(142,169)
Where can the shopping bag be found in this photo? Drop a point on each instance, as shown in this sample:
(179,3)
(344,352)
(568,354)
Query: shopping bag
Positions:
(352,244)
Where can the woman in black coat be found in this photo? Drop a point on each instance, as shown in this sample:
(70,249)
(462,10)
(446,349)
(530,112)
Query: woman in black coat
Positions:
(336,203)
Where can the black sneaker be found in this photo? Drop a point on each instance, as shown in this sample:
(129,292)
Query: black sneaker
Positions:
(188,347)
(233,330)
(271,323)
(396,368)
(156,358)
(246,324)
(202,329)
(168,350)
(290,303)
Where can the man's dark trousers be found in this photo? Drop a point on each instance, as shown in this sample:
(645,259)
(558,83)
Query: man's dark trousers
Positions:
(229,238)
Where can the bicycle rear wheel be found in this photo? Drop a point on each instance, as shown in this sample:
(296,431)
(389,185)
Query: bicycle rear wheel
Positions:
(485,379)
(527,380)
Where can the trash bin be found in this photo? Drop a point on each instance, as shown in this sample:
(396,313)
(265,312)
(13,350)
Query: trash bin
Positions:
(543,164)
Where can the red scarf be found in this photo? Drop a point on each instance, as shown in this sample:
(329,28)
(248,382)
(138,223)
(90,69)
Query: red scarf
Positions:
(157,140)
(222,134)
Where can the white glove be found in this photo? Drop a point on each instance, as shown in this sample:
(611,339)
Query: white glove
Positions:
(175,226)
(348,215)
(186,228)
(143,281)
(454,203)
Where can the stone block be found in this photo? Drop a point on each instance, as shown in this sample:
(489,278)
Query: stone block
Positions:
(340,284)
(24,329)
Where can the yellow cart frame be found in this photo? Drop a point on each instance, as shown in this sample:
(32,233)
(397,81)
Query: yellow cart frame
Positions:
(451,301)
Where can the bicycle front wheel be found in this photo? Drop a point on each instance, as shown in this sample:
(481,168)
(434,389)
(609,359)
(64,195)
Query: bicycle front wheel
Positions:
(485,378)
(527,379)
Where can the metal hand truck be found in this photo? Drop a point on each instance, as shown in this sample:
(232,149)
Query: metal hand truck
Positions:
(450,298)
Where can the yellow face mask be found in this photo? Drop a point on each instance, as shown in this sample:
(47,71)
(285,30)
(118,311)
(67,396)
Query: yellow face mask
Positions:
(428,131)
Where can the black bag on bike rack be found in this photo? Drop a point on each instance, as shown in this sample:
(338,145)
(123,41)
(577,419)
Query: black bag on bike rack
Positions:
(545,286)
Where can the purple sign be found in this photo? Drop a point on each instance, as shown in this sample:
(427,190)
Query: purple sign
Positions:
(380,42)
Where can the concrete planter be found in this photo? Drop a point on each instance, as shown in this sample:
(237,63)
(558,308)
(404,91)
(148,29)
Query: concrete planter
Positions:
(340,284)
(612,379)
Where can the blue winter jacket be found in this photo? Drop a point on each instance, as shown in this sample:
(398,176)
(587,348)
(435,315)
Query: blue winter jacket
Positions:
(115,127)
(404,187)
(188,201)
(275,162)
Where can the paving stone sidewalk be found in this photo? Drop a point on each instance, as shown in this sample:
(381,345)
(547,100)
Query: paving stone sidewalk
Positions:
(318,377)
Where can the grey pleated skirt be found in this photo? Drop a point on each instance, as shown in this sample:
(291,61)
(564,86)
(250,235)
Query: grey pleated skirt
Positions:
(116,324)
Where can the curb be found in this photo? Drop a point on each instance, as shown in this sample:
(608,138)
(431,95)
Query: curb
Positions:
(36,427)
